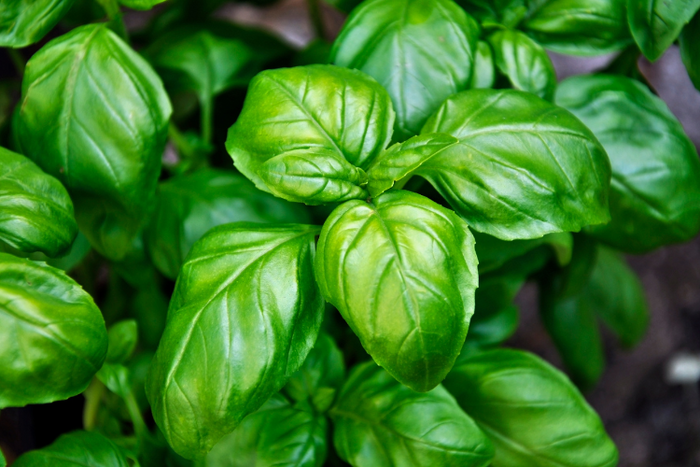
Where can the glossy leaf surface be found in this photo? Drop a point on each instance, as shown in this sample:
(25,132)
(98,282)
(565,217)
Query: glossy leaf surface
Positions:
(524,62)
(484,72)
(75,449)
(278,434)
(531,412)
(189,205)
(36,213)
(244,314)
(95,115)
(421,51)
(579,27)
(378,421)
(690,52)
(517,167)
(402,271)
(297,114)
(52,338)
(656,24)
(24,22)
(654,192)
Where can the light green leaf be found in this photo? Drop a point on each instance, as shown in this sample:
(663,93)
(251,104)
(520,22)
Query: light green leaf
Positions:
(524,62)
(655,24)
(36,213)
(579,27)
(402,272)
(321,109)
(123,337)
(52,336)
(278,434)
(76,449)
(95,115)
(484,74)
(654,192)
(24,22)
(531,412)
(378,421)
(189,205)
(690,52)
(244,315)
(421,51)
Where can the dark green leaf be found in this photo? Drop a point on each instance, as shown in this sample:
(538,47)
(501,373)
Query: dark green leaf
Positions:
(690,51)
(345,6)
(140,4)
(524,62)
(116,377)
(276,435)
(618,297)
(579,27)
(24,22)
(495,317)
(244,315)
(494,253)
(36,213)
(123,337)
(517,167)
(506,12)
(95,115)
(52,337)
(484,72)
(402,271)
(531,412)
(378,421)
(655,24)
(189,205)
(654,192)
(421,51)
(318,109)
(76,449)
(320,376)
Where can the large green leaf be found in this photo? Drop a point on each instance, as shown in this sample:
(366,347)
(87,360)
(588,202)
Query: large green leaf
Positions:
(52,336)
(278,434)
(531,412)
(24,22)
(244,314)
(579,27)
(76,449)
(421,51)
(378,421)
(36,213)
(654,192)
(402,271)
(524,62)
(293,117)
(513,165)
(189,205)
(655,24)
(690,52)
(95,116)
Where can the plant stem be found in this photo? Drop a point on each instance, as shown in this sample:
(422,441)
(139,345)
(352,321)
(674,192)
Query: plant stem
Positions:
(116,21)
(140,427)
(207,119)
(17,60)
(316,18)
(93,397)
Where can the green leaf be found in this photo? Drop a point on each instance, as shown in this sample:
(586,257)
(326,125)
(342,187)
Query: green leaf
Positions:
(321,109)
(24,22)
(531,412)
(52,338)
(494,253)
(496,317)
(618,298)
(244,315)
(36,213)
(320,376)
(656,24)
(116,377)
(123,337)
(95,115)
(690,52)
(421,51)
(75,449)
(524,62)
(378,421)
(3,462)
(402,272)
(579,27)
(517,167)
(140,4)
(654,192)
(277,434)
(484,74)
(508,13)
(189,205)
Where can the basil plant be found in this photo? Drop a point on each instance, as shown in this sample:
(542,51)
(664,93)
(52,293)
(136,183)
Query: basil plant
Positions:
(241,254)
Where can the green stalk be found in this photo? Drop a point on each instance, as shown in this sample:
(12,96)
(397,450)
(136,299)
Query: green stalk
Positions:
(207,119)
(140,427)
(116,20)
(93,398)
